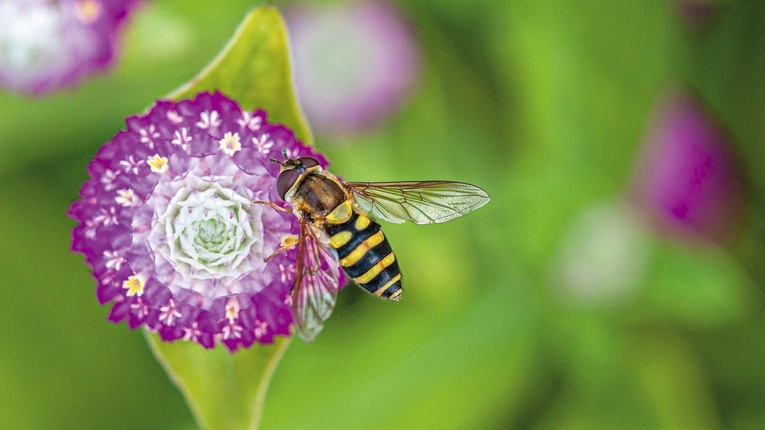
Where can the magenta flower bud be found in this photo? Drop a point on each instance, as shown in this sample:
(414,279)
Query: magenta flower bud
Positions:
(49,44)
(686,178)
(355,63)
(167,224)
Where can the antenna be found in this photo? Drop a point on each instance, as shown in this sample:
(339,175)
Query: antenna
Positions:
(281,163)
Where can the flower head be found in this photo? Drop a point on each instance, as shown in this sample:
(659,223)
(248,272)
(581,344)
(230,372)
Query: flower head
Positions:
(355,63)
(47,44)
(686,177)
(167,223)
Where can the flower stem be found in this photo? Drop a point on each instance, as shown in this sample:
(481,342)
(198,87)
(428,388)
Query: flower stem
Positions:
(260,398)
(224,391)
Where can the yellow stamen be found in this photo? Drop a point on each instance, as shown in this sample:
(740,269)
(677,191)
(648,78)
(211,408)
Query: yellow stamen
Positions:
(134,284)
(88,10)
(290,240)
(126,197)
(230,143)
(158,164)
(232,310)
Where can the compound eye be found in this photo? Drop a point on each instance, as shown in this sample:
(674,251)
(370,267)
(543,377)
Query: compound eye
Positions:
(285,181)
(308,162)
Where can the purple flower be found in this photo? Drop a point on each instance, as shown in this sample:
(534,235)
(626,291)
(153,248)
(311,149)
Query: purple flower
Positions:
(686,178)
(47,44)
(167,224)
(355,63)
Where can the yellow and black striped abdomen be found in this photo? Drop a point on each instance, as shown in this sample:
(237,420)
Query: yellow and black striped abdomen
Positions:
(366,256)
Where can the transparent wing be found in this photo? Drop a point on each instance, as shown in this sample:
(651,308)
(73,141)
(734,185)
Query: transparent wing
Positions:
(429,202)
(316,284)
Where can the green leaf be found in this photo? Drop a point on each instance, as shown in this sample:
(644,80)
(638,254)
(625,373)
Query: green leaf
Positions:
(223,390)
(672,376)
(698,285)
(254,69)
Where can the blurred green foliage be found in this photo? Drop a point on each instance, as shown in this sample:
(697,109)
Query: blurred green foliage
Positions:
(544,104)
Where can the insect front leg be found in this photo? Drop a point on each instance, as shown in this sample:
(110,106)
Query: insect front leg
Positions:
(290,241)
(273,205)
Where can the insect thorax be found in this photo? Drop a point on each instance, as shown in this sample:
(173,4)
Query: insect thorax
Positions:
(317,195)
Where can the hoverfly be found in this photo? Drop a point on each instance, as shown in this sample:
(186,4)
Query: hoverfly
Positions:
(334,223)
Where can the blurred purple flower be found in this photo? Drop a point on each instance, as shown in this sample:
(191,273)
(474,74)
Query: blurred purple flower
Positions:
(48,44)
(355,63)
(686,177)
(167,225)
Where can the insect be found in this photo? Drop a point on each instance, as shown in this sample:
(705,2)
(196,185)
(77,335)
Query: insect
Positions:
(334,224)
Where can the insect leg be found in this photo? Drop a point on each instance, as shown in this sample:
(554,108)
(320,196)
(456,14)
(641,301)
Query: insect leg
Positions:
(273,205)
(287,245)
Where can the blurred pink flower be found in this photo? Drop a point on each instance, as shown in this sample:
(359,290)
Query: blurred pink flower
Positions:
(49,44)
(686,177)
(355,63)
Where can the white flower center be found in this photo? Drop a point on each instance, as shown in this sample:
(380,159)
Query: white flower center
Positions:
(30,35)
(206,233)
(211,230)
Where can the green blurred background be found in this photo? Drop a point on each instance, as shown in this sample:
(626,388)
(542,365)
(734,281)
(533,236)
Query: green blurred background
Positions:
(543,103)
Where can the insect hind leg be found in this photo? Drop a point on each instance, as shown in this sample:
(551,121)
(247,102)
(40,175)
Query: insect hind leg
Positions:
(288,243)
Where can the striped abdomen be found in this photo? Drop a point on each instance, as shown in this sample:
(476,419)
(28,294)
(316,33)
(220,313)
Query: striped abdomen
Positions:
(366,256)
